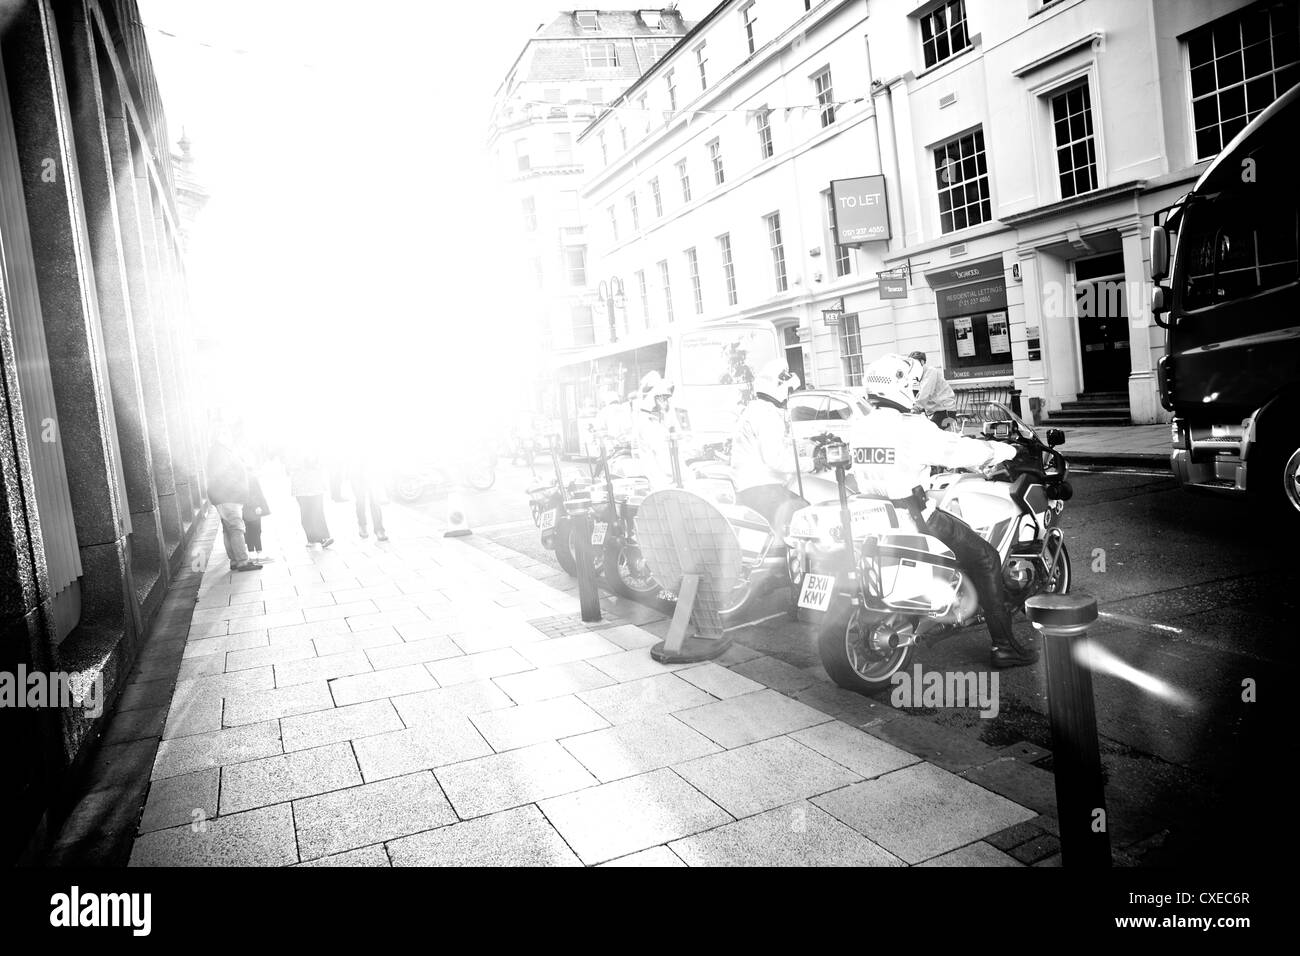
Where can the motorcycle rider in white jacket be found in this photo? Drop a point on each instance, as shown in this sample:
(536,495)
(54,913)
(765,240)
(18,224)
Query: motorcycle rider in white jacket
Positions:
(897,450)
(762,456)
(653,426)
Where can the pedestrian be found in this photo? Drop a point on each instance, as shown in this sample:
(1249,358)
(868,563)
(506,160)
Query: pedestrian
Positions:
(365,488)
(934,396)
(255,509)
(228,491)
(308,483)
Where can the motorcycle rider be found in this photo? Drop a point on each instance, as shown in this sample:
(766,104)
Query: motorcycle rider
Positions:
(762,457)
(614,421)
(900,448)
(654,425)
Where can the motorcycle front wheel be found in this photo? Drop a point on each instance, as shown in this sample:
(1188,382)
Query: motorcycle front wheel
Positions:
(564,548)
(628,576)
(861,650)
(1062,574)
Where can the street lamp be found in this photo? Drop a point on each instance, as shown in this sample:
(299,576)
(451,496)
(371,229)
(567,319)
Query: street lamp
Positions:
(611,291)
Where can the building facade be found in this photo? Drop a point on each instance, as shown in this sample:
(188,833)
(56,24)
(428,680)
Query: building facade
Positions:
(101,483)
(1015,154)
(565,73)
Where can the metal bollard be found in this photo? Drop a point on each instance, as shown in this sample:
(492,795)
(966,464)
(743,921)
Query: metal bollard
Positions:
(1063,621)
(588,589)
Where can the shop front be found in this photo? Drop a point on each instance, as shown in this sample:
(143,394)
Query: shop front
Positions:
(971,303)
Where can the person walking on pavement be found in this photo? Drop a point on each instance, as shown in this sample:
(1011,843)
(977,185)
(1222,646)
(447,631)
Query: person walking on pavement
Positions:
(228,491)
(365,489)
(308,483)
(934,395)
(255,509)
(903,447)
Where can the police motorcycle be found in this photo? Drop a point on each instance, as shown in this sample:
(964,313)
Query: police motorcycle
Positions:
(881,585)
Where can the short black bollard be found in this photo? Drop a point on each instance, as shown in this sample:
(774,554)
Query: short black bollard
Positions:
(588,589)
(1063,621)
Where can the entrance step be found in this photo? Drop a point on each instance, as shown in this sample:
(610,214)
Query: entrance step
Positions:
(1093,408)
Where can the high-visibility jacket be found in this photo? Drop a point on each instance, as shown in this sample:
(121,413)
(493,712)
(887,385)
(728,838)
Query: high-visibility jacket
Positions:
(761,451)
(893,452)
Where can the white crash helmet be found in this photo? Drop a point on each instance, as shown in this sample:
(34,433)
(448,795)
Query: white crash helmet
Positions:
(652,386)
(775,380)
(890,379)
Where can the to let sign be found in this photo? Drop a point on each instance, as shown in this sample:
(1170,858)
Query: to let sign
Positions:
(861,212)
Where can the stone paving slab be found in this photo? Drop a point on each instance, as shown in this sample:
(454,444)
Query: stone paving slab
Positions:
(512,779)
(277,702)
(630,749)
(480,666)
(366,856)
(798,834)
(220,645)
(193,717)
(922,811)
(353,818)
(262,837)
(195,667)
(554,681)
(257,657)
(279,779)
(750,718)
(862,753)
(434,705)
(342,723)
(721,682)
(322,668)
(764,775)
(518,837)
(413,652)
(381,684)
(648,697)
(173,801)
(431,744)
(562,650)
(217,748)
(526,724)
(615,819)
(974,854)
(356,641)
(656,856)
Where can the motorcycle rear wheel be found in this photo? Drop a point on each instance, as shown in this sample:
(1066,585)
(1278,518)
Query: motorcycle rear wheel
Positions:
(481,477)
(1063,576)
(842,643)
(409,488)
(621,560)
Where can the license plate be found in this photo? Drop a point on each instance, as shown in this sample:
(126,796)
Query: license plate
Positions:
(548,520)
(816,591)
(598,532)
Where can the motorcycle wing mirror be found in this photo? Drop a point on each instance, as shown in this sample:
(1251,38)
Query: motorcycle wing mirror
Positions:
(1055,437)
(837,453)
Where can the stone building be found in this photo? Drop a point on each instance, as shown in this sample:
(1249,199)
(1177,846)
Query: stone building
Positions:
(101,484)
(1016,152)
(565,73)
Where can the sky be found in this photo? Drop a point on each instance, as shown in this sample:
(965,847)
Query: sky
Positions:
(347,251)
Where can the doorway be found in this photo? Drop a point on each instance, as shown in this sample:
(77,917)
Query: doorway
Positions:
(794,353)
(1102,309)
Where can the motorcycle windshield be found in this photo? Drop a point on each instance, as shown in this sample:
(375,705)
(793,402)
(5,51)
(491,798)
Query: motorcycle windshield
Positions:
(997,412)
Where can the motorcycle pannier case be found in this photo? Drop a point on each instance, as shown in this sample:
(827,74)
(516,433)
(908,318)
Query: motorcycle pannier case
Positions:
(912,573)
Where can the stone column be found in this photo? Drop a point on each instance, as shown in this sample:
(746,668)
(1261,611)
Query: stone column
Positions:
(1143,393)
(137,230)
(65,277)
(88,93)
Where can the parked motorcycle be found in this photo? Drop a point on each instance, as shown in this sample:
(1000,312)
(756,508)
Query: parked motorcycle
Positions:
(413,482)
(881,584)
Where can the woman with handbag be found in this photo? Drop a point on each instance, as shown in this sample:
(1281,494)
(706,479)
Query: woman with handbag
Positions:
(255,509)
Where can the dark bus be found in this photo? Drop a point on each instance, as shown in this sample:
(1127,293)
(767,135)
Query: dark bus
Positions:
(1231,305)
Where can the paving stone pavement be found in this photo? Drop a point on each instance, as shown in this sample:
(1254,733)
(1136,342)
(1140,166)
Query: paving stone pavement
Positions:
(426,702)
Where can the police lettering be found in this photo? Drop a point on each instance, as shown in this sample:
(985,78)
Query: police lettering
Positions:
(873,456)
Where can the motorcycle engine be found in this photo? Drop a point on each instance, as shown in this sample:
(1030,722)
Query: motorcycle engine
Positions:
(1019,574)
